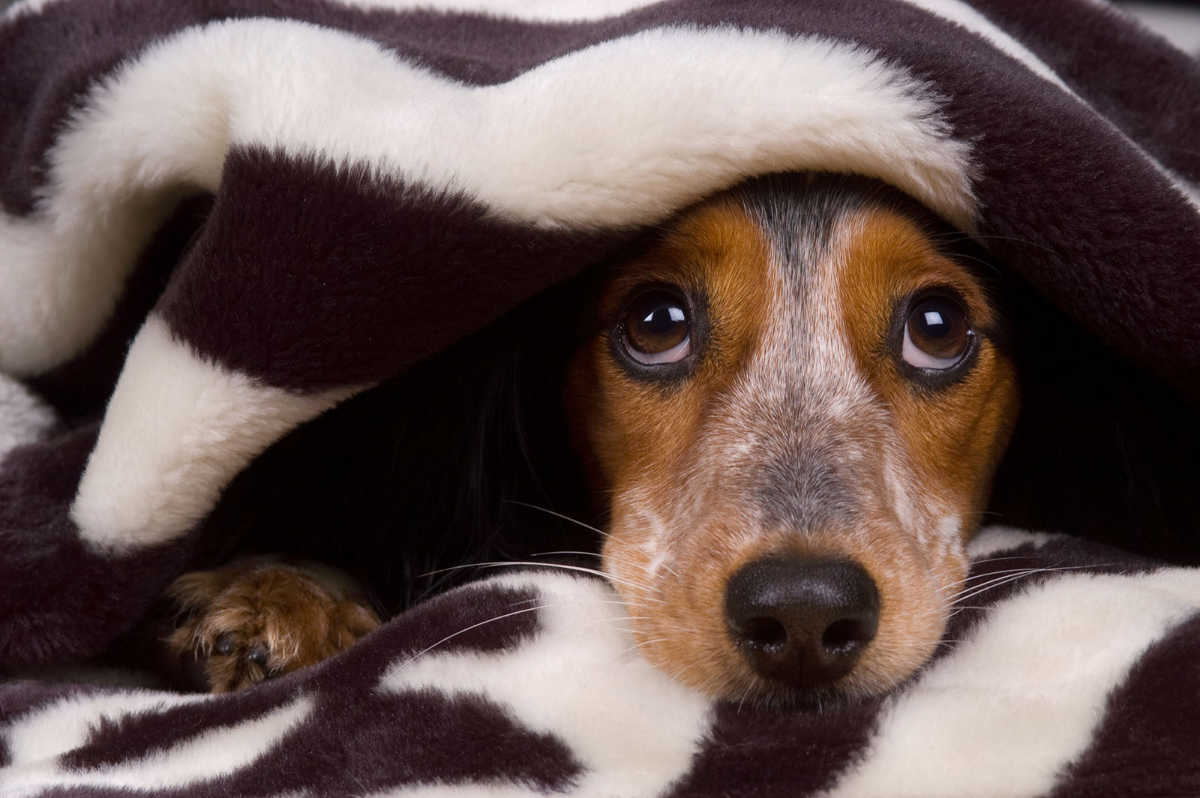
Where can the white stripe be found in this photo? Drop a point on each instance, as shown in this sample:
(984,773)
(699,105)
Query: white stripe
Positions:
(1179,26)
(41,736)
(528,10)
(475,789)
(962,14)
(62,272)
(176,430)
(618,134)
(24,8)
(24,418)
(1022,696)
(214,753)
(632,728)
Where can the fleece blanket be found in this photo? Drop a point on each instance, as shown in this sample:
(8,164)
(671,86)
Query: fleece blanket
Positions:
(1070,671)
(378,179)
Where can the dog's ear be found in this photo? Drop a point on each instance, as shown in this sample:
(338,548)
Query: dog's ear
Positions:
(196,590)
(351,621)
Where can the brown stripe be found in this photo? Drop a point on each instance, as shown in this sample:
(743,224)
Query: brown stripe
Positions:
(751,751)
(1035,143)
(62,600)
(1149,91)
(311,277)
(1146,744)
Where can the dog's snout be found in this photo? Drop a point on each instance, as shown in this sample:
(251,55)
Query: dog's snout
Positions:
(801,620)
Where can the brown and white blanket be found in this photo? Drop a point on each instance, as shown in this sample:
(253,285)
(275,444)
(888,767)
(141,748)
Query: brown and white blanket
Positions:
(379,178)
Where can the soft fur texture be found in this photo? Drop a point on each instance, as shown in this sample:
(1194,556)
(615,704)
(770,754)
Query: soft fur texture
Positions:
(276,206)
(1071,682)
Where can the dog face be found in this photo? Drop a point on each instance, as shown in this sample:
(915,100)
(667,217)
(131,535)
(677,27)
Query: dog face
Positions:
(794,402)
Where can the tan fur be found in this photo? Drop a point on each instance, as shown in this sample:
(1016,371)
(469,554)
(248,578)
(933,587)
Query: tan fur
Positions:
(681,465)
(296,616)
(954,437)
(627,427)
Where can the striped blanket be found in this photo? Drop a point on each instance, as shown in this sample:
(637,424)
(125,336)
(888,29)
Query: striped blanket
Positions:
(370,181)
(1073,672)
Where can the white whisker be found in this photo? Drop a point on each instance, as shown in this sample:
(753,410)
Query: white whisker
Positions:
(556,514)
(463,631)
(578,568)
(1004,580)
(987,575)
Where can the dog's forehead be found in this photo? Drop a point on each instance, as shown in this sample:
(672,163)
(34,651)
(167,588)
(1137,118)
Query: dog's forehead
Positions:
(800,418)
(799,219)
(803,351)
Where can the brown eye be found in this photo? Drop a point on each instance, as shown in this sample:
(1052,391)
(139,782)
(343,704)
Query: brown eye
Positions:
(936,334)
(657,328)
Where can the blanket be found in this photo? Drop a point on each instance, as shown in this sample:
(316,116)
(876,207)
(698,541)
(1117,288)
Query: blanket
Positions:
(1072,673)
(223,220)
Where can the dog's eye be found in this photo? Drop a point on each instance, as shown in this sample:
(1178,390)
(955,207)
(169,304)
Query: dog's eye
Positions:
(657,328)
(936,333)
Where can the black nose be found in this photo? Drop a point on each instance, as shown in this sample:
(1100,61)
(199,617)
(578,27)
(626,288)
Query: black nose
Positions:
(802,620)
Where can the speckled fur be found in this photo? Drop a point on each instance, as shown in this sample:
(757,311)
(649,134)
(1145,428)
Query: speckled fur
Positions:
(799,442)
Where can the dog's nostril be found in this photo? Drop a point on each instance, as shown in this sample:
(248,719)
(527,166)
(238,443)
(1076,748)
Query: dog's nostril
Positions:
(764,632)
(802,620)
(846,634)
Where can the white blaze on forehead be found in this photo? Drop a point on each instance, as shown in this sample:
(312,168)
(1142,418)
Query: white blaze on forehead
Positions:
(819,326)
(807,357)
(802,398)
(805,350)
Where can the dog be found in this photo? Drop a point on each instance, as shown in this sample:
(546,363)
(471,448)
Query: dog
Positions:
(258,618)
(787,405)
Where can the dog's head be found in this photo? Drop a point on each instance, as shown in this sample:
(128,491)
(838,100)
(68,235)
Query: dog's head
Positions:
(793,404)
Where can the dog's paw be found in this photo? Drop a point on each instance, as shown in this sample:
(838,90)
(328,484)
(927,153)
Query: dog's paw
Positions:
(254,620)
